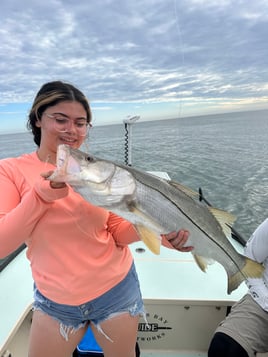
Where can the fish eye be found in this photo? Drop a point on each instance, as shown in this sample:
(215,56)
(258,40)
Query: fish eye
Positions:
(90,159)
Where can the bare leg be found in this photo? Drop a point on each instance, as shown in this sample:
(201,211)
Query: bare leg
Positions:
(122,330)
(46,340)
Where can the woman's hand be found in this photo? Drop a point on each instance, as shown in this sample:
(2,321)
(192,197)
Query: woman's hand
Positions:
(178,240)
(53,184)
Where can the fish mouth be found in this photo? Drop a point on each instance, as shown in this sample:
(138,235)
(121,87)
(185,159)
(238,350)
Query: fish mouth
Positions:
(67,168)
(62,155)
(72,167)
(78,168)
(66,163)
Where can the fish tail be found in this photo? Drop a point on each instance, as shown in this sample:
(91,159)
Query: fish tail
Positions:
(251,269)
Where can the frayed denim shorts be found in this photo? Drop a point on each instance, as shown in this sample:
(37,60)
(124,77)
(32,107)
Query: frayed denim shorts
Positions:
(124,297)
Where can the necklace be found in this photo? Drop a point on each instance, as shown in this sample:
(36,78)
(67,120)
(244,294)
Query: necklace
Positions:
(46,159)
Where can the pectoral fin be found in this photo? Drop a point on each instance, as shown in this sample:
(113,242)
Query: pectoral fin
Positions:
(202,262)
(150,238)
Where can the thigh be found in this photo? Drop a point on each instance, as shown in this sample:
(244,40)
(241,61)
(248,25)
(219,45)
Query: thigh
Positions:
(118,335)
(247,324)
(223,345)
(47,340)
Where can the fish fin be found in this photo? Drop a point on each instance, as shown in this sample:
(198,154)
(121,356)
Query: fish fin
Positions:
(224,218)
(251,269)
(202,262)
(188,191)
(150,238)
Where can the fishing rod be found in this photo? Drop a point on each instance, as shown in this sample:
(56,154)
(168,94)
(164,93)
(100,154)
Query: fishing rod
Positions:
(235,235)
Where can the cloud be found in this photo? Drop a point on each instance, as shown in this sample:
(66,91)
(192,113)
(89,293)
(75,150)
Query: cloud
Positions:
(143,51)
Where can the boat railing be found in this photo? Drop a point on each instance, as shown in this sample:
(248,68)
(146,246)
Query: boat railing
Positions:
(16,286)
(4,262)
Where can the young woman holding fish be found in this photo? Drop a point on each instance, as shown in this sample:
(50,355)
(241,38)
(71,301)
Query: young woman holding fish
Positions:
(244,332)
(82,267)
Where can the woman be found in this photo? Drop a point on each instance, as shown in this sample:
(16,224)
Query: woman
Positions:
(82,268)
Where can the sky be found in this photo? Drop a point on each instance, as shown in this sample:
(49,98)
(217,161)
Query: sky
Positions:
(154,58)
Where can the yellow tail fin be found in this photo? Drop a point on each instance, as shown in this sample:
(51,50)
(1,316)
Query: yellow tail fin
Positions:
(251,269)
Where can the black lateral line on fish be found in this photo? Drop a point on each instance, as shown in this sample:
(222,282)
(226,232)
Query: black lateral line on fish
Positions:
(153,184)
(155,179)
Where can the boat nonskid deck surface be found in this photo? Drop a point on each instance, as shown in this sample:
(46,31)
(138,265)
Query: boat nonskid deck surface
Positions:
(183,304)
(16,288)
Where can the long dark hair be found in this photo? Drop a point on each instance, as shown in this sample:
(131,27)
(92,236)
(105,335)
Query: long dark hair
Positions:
(51,94)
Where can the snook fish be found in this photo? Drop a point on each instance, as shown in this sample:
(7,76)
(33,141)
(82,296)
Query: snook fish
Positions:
(156,206)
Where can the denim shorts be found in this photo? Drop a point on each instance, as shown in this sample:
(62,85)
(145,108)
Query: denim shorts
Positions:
(124,297)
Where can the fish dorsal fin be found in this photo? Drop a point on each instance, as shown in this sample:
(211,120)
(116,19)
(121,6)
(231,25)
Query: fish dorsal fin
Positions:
(188,191)
(150,238)
(224,218)
(202,262)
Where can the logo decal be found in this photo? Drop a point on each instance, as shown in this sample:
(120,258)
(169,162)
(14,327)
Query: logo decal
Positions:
(156,328)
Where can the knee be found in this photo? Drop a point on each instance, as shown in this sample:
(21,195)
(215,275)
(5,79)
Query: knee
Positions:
(223,345)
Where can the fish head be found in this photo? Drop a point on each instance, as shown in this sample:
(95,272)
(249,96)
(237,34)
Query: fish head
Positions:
(101,177)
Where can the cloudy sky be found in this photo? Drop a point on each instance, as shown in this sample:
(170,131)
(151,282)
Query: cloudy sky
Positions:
(154,58)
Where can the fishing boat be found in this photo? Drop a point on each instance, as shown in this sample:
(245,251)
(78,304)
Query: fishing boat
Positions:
(184,305)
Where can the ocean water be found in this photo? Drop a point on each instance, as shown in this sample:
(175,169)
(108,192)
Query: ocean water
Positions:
(223,154)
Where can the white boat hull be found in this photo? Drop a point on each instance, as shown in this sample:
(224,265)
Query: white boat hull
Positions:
(183,304)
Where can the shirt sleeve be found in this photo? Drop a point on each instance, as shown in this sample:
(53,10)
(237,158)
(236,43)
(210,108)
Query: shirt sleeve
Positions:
(257,246)
(20,211)
(257,249)
(122,231)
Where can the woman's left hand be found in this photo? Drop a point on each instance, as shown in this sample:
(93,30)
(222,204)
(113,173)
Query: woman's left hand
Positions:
(178,240)
(53,184)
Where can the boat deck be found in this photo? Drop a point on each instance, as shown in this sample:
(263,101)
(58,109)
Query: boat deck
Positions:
(16,286)
(173,354)
(184,305)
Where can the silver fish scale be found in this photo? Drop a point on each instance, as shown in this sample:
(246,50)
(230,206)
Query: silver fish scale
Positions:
(154,203)
(172,209)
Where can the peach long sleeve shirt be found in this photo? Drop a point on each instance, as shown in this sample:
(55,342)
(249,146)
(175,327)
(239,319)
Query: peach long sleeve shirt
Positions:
(77,251)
